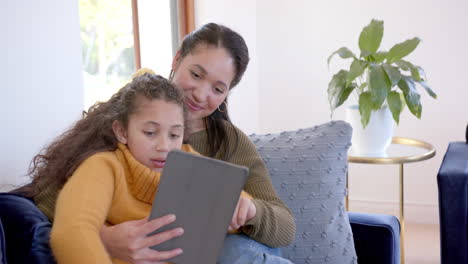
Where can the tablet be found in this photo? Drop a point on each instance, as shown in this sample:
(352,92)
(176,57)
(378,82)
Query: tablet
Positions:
(203,194)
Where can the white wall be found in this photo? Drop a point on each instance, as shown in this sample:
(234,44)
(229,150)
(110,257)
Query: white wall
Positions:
(239,15)
(296,37)
(293,41)
(41,87)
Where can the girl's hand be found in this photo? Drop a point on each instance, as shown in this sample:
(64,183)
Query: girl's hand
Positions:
(245,210)
(128,241)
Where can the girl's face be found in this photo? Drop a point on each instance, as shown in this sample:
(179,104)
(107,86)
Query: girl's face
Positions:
(154,129)
(205,76)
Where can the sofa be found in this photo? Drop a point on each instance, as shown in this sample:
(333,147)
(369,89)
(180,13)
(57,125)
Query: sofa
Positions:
(308,169)
(452,181)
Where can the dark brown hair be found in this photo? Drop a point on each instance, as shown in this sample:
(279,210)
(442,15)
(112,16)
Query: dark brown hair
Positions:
(92,134)
(223,37)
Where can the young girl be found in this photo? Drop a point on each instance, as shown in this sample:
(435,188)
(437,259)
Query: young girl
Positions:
(112,163)
(208,65)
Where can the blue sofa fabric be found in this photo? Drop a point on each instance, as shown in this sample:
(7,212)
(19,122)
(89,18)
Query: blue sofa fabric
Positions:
(26,230)
(2,245)
(376,238)
(452,181)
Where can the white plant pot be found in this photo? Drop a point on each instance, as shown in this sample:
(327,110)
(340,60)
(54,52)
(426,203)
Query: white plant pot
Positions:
(373,140)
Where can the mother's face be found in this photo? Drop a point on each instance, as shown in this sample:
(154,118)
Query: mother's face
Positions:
(205,76)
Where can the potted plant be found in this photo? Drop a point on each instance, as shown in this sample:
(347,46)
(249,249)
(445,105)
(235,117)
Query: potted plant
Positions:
(382,81)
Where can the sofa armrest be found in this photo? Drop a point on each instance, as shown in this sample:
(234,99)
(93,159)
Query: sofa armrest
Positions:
(376,238)
(452,181)
(2,245)
(26,230)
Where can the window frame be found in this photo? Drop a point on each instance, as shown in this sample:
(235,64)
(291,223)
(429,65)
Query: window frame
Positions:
(183,22)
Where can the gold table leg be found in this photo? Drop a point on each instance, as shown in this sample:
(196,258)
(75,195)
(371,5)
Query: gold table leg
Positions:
(402,217)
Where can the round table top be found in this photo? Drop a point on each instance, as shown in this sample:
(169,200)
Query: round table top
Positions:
(401,150)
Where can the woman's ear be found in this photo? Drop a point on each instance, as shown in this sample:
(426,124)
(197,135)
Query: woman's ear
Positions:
(119,131)
(176,61)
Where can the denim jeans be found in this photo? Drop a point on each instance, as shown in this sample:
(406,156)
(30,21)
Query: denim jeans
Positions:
(240,249)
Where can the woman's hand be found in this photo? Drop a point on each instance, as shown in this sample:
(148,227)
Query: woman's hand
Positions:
(245,210)
(128,241)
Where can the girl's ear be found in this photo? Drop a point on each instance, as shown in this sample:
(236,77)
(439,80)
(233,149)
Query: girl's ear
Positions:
(119,131)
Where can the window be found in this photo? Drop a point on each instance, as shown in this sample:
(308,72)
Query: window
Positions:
(120,36)
(107,46)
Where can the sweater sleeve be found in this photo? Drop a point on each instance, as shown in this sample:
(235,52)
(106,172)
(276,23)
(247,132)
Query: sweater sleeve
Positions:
(81,210)
(273,223)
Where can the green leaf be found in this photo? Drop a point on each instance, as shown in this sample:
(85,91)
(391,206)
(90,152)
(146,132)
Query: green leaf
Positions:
(428,89)
(362,87)
(404,65)
(371,36)
(418,73)
(365,108)
(412,97)
(402,49)
(356,69)
(395,105)
(380,56)
(415,74)
(346,92)
(379,85)
(367,55)
(393,74)
(338,90)
(344,53)
(402,100)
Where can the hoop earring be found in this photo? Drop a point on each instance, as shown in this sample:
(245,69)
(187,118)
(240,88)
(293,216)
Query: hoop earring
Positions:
(171,75)
(225,107)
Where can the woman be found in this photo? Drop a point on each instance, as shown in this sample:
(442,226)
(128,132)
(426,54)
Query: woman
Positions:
(210,62)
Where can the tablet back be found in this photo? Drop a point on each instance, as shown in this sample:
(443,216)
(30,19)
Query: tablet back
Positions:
(203,194)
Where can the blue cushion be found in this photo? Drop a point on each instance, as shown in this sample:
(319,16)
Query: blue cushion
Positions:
(376,238)
(26,230)
(308,169)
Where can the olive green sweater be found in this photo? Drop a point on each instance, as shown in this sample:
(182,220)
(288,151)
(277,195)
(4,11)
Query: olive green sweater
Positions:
(273,224)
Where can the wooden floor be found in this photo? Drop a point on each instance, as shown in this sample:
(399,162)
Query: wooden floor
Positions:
(422,243)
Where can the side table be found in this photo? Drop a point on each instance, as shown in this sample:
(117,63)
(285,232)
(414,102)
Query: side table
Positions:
(402,150)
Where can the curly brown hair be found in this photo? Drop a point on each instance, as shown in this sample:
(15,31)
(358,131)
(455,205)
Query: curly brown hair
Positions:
(55,164)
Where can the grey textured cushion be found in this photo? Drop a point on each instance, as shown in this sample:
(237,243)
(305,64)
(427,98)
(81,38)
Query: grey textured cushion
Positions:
(308,168)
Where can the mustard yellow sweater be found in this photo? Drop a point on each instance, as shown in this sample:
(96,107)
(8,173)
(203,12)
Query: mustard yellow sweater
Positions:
(109,187)
(273,225)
